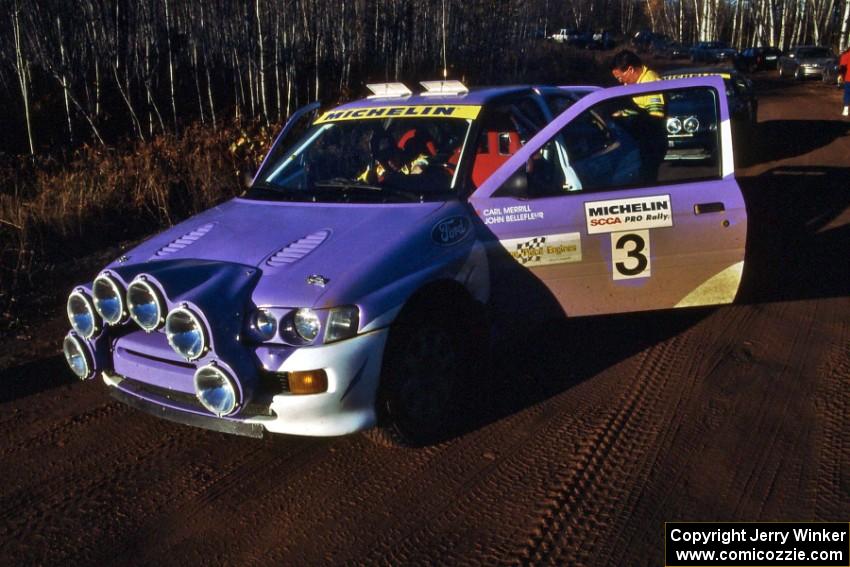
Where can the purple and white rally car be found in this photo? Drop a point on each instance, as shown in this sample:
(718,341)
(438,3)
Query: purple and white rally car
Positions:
(381,241)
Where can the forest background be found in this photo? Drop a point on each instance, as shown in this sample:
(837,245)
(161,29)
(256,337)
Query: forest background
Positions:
(123,116)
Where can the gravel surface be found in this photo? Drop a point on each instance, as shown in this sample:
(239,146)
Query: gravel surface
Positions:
(582,445)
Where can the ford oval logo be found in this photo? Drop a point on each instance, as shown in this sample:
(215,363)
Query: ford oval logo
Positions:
(450,231)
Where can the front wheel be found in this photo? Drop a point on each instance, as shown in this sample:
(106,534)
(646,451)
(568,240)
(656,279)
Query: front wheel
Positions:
(428,357)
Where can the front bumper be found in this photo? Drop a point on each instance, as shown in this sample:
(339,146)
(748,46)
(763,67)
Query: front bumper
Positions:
(812,71)
(353,368)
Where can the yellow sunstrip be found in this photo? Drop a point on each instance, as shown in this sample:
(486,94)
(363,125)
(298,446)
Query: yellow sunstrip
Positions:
(422,111)
(692,75)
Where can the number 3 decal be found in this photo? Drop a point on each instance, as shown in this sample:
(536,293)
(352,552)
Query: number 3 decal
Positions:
(630,254)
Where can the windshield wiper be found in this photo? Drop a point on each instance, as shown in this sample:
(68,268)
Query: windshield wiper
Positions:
(353,185)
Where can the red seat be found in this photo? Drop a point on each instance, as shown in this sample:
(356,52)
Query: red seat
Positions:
(495,149)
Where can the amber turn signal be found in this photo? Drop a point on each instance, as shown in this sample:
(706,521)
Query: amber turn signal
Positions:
(308,382)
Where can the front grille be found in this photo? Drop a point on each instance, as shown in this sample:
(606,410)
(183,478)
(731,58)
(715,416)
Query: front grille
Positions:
(188,401)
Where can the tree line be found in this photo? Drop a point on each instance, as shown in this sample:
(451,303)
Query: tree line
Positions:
(90,71)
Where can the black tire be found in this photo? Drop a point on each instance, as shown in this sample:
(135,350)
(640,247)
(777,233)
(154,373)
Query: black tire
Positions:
(798,76)
(427,358)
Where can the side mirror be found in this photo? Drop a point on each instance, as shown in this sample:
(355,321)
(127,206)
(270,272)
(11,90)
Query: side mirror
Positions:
(247,179)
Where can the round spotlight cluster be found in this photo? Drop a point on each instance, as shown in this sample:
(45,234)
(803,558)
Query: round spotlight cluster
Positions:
(81,314)
(691,124)
(144,305)
(108,299)
(77,357)
(185,333)
(216,390)
(674,125)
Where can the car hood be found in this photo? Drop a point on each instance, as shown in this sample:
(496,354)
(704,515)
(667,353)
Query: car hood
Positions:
(815,60)
(290,242)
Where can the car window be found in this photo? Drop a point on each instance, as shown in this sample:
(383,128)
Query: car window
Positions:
(505,127)
(559,103)
(616,144)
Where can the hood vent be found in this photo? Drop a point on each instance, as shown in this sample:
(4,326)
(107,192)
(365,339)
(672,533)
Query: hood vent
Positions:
(185,240)
(298,249)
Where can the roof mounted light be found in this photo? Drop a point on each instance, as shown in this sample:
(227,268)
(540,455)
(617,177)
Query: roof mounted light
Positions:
(384,90)
(440,88)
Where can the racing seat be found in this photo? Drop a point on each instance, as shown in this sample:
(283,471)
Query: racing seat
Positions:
(495,149)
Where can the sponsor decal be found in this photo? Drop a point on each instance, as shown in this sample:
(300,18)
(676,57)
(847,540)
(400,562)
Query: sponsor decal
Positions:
(630,255)
(516,213)
(408,111)
(545,249)
(622,215)
(696,75)
(450,231)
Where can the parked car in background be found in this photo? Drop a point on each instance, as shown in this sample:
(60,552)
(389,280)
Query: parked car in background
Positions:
(642,40)
(806,61)
(675,50)
(712,52)
(347,288)
(831,75)
(602,39)
(758,59)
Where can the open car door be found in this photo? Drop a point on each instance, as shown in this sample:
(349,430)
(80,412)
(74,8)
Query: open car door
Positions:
(615,210)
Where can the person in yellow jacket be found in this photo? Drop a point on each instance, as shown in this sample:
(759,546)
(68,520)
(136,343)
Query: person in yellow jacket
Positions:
(647,127)
(628,69)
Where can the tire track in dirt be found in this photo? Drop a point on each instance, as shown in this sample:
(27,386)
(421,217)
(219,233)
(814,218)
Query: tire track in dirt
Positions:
(136,448)
(691,469)
(583,497)
(832,449)
(446,473)
(169,529)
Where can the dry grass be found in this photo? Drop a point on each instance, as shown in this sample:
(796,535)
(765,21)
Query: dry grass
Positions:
(52,210)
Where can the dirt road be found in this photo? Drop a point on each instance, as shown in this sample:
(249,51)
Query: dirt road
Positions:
(585,444)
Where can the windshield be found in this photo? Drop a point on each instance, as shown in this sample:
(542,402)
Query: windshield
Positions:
(362,155)
(814,53)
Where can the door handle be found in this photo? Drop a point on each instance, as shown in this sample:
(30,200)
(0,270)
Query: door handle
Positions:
(703,208)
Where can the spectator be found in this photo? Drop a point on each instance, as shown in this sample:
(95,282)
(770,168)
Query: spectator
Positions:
(844,72)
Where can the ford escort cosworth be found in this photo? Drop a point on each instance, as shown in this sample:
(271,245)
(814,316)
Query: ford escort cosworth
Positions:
(382,240)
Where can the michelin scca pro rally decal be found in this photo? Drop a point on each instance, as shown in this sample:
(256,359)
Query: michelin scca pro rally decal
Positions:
(545,249)
(621,215)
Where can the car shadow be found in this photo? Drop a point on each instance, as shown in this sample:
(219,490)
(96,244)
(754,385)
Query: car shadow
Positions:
(798,235)
(775,140)
(34,377)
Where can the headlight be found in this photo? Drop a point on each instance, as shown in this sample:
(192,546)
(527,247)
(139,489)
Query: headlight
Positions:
(307,324)
(77,357)
(343,323)
(108,299)
(81,314)
(263,325)
(691,124)
(145,305)
(185,333)
(216,390)
(674,125)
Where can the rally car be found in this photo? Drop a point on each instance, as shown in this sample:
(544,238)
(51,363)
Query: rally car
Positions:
(382,241)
